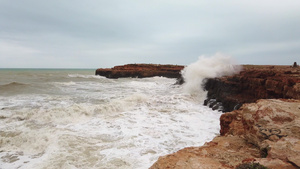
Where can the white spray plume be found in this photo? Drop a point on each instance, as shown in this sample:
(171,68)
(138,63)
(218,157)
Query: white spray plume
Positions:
(207,67)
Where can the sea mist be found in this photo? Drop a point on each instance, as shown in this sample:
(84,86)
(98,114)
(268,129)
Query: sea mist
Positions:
(217,65)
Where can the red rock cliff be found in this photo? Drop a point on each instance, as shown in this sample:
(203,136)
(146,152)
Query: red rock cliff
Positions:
(265,132)
(141,71)
(253,83)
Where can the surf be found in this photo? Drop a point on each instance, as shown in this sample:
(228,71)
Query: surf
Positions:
(205,67)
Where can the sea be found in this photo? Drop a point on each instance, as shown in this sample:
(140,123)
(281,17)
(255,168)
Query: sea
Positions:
(73,119)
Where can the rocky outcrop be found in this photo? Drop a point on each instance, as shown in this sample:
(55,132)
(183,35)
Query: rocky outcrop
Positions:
(251,84)
(141,71)
(265,132)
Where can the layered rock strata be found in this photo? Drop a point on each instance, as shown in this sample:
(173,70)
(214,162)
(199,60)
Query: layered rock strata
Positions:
(265,132)
(141,71)
(251,84)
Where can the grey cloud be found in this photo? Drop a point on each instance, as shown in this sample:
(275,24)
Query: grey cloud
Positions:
(106,33)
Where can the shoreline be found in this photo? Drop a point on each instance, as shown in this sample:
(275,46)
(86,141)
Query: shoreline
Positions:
(259,126)
(265,129)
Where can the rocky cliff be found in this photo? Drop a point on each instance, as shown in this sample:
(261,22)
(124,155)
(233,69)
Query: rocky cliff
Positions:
(266,132)
(251,84)
(141,71)
(263,128)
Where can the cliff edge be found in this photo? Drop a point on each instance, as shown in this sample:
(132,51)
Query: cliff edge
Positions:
(252,83)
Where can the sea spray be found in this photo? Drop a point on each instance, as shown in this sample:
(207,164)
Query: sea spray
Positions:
(73,119)
(207,67)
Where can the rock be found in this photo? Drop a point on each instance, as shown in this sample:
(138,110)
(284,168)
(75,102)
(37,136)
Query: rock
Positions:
(251,165)
(275,163)
(264,129)
(141,71)
(220,153)
(266,132)
(179,80)
(271,125)
(253,83)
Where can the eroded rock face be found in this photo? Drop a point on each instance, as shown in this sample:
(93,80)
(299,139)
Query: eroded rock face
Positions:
(253,83)
(267,132)
(141,71)
(271,125)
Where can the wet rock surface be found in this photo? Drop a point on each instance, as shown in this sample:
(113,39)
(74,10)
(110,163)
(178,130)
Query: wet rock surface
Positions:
(141,71)
(265,132)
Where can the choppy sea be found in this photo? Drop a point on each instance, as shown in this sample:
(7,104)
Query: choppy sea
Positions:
(63,118)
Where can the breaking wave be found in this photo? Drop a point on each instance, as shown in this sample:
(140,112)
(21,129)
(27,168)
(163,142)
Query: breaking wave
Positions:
(207,67)
(58,121)
(85,76)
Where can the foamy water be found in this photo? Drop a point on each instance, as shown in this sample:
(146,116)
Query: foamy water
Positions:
(217,65)
(73,119)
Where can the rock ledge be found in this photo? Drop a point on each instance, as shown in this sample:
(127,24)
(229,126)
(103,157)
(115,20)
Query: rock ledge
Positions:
(141,71)
(253,83)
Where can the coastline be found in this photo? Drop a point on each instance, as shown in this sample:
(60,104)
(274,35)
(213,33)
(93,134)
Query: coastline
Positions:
(262,123)
(264,129)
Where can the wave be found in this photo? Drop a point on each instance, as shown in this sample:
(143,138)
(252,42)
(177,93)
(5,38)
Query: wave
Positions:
(86,76)
(207,67)
(12,85)
(13,88)
(121,123)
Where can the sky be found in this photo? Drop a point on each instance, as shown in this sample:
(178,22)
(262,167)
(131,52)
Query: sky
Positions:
(106,33)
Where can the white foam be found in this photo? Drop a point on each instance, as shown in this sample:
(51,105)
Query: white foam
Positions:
(86,76)
(122,123)
(207,67)
(70,83)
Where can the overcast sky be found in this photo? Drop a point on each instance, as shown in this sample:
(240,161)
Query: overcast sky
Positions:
(105,33)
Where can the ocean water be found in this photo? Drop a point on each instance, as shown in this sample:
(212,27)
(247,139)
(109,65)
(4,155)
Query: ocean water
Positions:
(73,119)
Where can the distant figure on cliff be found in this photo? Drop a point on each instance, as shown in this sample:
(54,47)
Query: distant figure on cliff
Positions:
(295,64)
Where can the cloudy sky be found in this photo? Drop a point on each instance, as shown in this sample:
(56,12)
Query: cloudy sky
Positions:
(105,33)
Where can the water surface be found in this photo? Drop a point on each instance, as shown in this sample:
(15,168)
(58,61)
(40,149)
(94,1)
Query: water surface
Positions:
(52,118)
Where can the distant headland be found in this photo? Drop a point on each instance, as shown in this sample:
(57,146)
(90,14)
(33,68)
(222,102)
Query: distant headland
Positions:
(141,71)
